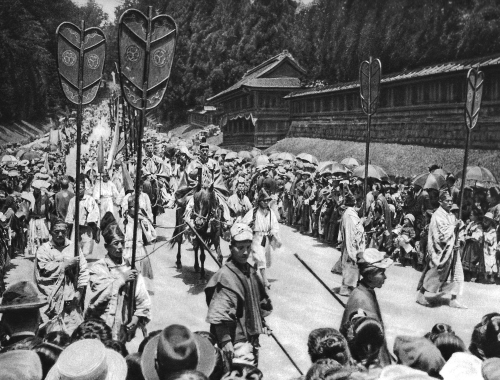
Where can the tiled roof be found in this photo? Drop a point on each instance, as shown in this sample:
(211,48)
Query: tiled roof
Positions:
(259,71)
(441,68)
(273,82)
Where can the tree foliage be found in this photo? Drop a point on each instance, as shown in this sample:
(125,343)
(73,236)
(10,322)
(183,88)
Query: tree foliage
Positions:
(219,40)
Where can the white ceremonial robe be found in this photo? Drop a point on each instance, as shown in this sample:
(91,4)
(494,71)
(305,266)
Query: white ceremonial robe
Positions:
(108,195)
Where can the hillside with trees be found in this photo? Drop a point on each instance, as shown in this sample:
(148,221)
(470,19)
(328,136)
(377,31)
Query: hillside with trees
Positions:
(220,39)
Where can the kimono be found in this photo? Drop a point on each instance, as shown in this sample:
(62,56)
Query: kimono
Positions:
(141,256)
(108,195)
(237,303)
(441,261)
(352,235)
(238,206)
(109,297)
(144,204)
(490,248)
(58,285)
(473,251)
(265,236)
(38,231)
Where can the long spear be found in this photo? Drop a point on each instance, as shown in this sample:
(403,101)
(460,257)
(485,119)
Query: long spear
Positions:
(369,85)
(80,61)
(146,51)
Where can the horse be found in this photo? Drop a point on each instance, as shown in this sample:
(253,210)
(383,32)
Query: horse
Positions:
(155,188)
(207,223)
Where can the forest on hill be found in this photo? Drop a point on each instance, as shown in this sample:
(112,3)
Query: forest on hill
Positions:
(221,39)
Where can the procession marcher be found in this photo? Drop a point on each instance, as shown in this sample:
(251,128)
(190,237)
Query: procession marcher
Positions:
(239,202)
(372,265)
(110,280)
(145,230)
(237,301)
(144,201)
(38,232)
(20,309)
(352,237)
(106,194)
(62,278)
(62,199)
(89,219)
(264,223)
(443,272)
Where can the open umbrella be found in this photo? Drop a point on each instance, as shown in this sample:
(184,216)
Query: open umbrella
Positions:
(350,162)
(8,158)
(274,156)
(478,174)
(260,160)
(285,156)
(231,156)
(430,181)
(220,152)
(322,164)
(374,171)
(440,171)
(245,154)
(306,157)
(333,168)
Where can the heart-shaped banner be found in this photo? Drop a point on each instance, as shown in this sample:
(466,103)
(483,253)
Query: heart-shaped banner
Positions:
(475,80)
(370,73)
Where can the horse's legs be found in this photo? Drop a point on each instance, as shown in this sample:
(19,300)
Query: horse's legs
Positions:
(196,264)
(178,263)
(202,259)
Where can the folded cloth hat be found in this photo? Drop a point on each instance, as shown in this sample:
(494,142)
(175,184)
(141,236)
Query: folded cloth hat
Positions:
(21,295)
(88,359)
(489,215)
(491,369)
(176,348)
(263,195)
(419,353)
(462,366)
(411,218)
(13,173)
(375,258)
(402,372)
(241,232)
(20,364)
(40,183)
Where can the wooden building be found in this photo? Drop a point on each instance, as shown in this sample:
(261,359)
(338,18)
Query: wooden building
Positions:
(254,111)
(423,106)
(203,116)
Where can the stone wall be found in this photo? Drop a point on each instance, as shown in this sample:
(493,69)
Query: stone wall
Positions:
(438,127)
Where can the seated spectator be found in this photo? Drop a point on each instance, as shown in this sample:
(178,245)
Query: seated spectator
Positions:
(438,328)
(485,341)
(328,343)
(20,365)
(98,363)
(177,349)
(20,310)
(419,353)
(92,329)
(490,369)
(244,372)
(448,344)
(365,340)
(321,367)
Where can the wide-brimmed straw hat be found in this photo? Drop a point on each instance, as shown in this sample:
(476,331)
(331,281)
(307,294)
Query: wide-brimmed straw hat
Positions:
(21,295)
(176,348)
(20,364)
(88,359)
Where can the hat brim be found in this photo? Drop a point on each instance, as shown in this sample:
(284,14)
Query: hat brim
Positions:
(23,306)
(206,357)
(117,367)
(384,264)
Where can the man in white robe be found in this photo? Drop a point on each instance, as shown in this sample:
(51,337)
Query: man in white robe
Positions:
(106,195)
(239,202)
(444,269)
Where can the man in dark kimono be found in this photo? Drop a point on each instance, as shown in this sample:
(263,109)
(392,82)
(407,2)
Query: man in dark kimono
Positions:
(372,265)
(237,302)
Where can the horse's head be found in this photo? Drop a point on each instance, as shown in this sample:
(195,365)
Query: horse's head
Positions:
(205,204)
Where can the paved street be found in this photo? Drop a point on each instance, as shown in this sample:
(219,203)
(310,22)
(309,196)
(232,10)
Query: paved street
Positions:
(300,302)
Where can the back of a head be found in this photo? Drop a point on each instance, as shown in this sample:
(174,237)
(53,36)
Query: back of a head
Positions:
(484,340)
(365,340)
(92,329)
(134,371)
(438,328)
(116,346)
(328,343)
(58,338)
(48,354)
(321,367)
(187,375)
(418,353)
(241,371)
(448,344)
